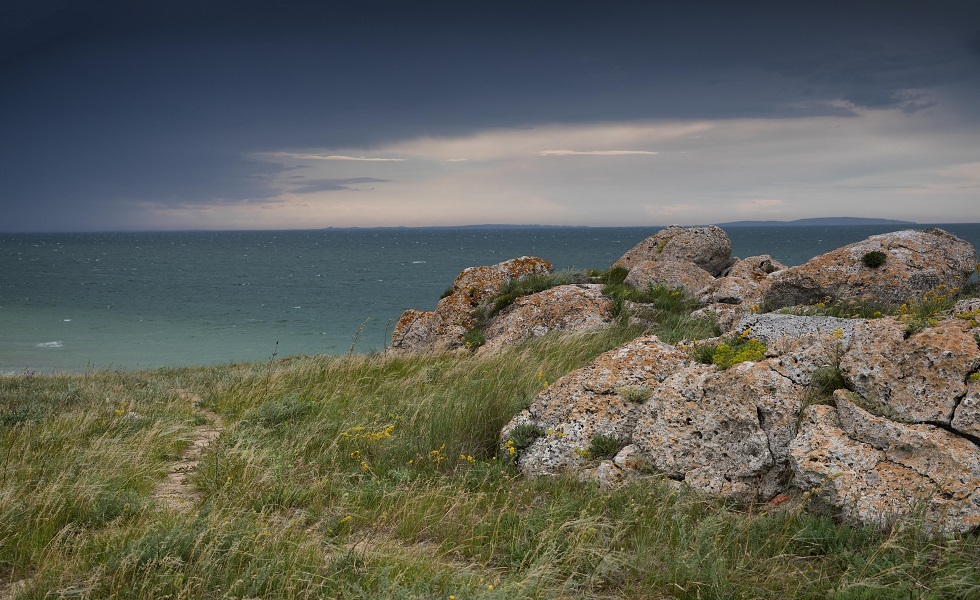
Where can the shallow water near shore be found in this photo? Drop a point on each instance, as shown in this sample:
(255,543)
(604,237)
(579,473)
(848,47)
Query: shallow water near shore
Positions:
(78,302)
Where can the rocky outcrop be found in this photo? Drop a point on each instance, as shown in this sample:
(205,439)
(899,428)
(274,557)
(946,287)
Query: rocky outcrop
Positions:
(708,247)
(902,440)
(681,274)
(915,262)
(872,470)
(907,445)
(445,327)
(565,309)
(919,379)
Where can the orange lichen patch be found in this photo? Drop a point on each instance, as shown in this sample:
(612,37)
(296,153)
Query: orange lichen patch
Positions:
(516,268)
(756,267)
(479,283)
(414,330)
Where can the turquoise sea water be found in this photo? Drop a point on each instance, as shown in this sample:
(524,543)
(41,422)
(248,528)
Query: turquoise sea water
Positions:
(75,302)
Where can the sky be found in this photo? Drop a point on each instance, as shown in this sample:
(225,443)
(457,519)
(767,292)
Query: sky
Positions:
(122,115)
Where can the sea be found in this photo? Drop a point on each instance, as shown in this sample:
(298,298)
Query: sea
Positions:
(81,302)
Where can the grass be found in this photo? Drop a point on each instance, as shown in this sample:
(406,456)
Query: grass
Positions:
(366,476)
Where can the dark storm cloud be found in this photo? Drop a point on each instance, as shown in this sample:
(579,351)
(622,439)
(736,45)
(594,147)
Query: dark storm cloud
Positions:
(115,101)
(332,185)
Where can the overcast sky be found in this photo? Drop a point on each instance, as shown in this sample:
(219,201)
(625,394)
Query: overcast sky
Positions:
(265,115)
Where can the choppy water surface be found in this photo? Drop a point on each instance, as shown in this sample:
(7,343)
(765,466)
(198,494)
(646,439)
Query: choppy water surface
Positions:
(73,302)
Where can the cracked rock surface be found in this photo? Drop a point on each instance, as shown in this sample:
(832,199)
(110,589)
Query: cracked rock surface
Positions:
(872,470)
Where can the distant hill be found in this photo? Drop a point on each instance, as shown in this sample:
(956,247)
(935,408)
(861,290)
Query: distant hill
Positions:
(823,221)
(481,226)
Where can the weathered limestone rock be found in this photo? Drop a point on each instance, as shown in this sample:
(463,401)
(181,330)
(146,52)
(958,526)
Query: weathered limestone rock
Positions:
(731,290)
(773,327)
(444,328)
(566,308)
(872,470)
(966,417)
(585,403)
(919,379)
(414,330)
(681,274)
(726,433)
(708,247)
(916,262)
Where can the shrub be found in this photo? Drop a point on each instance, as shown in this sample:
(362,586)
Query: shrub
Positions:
(474,338)
(521,437)
(726,356)
(733,350)
(874,259)
(605,446)
(919,314)
(825,380)
(634,393)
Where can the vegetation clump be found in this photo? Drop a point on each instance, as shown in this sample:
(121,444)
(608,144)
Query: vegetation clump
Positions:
(733,350)
(521,437)
(474,338)
(634,393)
(605,446)
(924,312)
(874,259)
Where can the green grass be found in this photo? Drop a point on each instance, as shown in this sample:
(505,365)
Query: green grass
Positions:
(369,477)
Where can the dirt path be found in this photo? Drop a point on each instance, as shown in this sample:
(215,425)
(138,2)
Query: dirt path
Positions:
(176,491)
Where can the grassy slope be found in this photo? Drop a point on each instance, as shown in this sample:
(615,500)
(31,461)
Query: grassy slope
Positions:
(368,477)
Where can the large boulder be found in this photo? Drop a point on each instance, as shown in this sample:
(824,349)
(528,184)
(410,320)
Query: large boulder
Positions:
(454,316)
(917,379)
(590,401)
(708,247)
(915,263)
(726,433)
(681,274)
(565,309)
(871,470)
